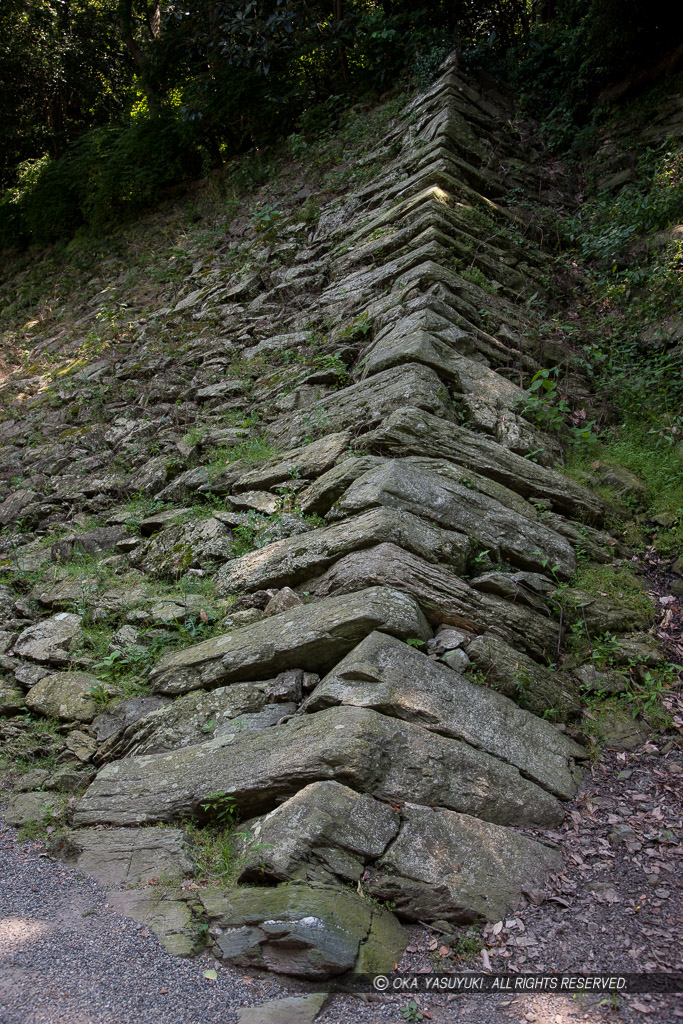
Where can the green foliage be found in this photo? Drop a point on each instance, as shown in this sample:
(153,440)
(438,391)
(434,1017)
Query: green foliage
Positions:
(411,1012)
(265,221)
(108,175)
(621,584)
(220,809)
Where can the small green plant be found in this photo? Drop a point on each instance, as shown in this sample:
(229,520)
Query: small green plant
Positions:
(360,327)
(544,403)
(265,221)
(411,1012)
(100,695)
(221,809)
(415,642)
(468,945)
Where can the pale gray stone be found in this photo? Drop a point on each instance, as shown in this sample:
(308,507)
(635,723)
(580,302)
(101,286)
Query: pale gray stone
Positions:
(311,637)
(411,431)
(178,548)
(297,559)
(323,833)
(67,695)
(199,716)
(362,749)
(40,808)
(429,489)
(453,867)
(129,856)
(305,463)
(443,597)
(291,1010)
(50,639)
(386,675)
(368,403)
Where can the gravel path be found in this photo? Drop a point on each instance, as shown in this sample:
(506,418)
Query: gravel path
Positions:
(65,955)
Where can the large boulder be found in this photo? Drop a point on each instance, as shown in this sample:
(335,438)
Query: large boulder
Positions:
(303,931)
(435,489)
(34,807)
(324,833)
(199,715)
(68,696)
(542,690)
(429,862)
(454,867)
(49,640)
(362,749)
(303,463)
(296,559)
(442,596)
(312,637)
(383,674)
(181,547)
(368,403)
(413,431)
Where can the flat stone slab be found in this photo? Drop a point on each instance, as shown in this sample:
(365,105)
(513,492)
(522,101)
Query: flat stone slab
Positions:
(433,490)
(292,1010)
(398,346)
(388,676)
(38,807)
(443,597)
(512,673)
(198,716)
(295,559)
(412,431)
(303,931)
(368,403)
(304,463)
(457,868)
(49,640)
(312,637)
(367,751)
(67,695)
(129,856)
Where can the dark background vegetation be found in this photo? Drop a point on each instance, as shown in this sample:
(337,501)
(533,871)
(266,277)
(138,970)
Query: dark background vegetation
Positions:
(107,103)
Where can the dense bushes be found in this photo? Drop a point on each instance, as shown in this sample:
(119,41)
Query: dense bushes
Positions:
(113,117)
(106,176)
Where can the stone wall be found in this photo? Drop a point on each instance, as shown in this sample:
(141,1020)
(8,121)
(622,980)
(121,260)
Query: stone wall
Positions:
(381,707)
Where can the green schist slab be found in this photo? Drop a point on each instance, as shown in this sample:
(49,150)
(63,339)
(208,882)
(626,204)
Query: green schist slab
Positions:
(312,637)
(430,489)
(295,559)
(292,1010)
(412,431)
(368,403)
(383,674)
(303,931)
(443,597)
(362,749)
